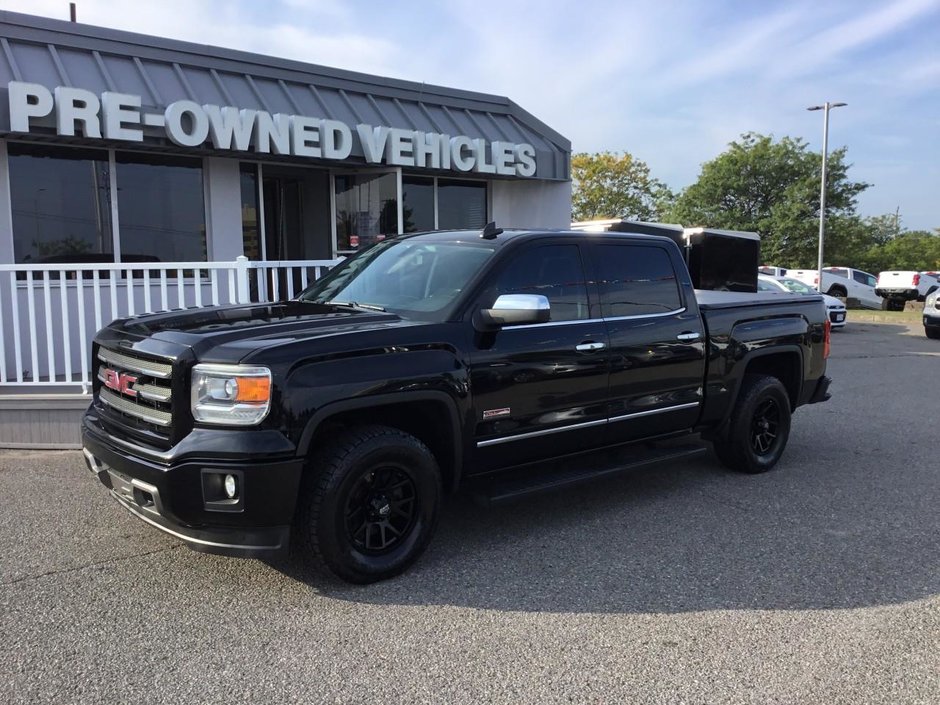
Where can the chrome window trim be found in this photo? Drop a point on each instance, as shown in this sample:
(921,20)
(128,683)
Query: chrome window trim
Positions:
(585,424)
(554,323)
(638,316)
(674,312)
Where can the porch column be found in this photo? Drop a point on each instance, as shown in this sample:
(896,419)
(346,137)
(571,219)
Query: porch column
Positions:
(223,209)
(6,208)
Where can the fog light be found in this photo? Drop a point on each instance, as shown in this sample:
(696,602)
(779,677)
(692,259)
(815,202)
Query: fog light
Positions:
(230,487)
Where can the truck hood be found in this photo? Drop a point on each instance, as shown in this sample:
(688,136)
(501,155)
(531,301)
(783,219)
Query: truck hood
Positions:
(229,333)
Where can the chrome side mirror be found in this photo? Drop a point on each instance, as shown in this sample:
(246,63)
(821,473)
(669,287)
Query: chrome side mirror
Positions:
(515,310)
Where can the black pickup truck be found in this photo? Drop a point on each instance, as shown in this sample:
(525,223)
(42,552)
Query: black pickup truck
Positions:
(506,362)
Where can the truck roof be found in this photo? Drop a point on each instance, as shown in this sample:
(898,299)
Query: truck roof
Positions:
(503,237)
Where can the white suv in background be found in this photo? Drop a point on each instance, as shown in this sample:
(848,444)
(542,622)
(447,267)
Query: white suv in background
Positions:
(843,282)
(787,285)
(932,315)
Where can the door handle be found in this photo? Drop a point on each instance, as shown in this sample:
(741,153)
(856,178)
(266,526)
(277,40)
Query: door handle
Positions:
(590,347)
(688,336)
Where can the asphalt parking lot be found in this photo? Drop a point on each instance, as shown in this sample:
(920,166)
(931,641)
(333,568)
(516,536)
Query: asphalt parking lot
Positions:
(819,582)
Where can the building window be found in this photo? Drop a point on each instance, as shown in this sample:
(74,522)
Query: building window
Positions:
(60,203)
(461,204)
(417,196)
(366,209)
(251,234)
(161,208)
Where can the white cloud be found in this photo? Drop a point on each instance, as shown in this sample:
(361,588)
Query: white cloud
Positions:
(672,82)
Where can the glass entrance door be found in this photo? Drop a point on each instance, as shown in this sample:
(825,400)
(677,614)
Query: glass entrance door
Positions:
(286,215)
(283,217)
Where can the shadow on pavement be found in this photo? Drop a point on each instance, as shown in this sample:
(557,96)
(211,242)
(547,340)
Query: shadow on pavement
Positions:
(677,539)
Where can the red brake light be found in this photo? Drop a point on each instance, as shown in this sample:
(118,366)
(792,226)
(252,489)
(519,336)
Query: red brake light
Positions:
(916,280)
(827,338)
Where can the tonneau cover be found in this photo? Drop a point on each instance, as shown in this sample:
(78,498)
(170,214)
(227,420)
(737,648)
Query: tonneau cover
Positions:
(732,299)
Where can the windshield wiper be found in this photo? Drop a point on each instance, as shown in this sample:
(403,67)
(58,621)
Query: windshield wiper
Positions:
(353,304)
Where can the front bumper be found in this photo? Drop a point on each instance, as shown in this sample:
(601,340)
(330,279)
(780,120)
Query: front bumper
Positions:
(171,497)
(837,317)
(931,321)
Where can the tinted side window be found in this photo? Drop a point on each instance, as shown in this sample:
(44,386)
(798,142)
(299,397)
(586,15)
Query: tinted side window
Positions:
(863,278)
(553,271)
(636,280)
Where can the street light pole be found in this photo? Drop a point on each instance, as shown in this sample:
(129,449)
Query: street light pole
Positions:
(825,107)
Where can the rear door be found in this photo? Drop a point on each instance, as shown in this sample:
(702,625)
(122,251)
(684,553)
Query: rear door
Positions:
(657,338)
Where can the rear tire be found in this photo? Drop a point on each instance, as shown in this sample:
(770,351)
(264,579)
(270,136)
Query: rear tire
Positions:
(759,426)
(368,504)
(837,291)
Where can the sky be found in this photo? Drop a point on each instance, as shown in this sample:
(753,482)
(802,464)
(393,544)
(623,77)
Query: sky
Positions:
(671,81)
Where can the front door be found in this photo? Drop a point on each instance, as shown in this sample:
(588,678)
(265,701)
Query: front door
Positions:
(540,391)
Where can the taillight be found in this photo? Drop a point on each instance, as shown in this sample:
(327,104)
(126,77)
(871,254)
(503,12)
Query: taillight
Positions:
(916,280)
(827,338)
(816,279)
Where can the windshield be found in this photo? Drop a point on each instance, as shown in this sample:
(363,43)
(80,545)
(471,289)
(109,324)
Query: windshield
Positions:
(413,278)
(797,287)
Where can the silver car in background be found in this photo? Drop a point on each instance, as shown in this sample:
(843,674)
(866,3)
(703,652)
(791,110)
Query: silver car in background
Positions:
(787,285)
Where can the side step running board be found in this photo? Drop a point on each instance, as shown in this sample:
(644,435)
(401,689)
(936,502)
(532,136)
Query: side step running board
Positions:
(557,474)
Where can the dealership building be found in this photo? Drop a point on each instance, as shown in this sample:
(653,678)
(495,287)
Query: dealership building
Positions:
(120,149)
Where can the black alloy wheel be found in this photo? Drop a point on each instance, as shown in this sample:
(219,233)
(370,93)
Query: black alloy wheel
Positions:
(764,426)
(759,426)
(381,510)
(368,504)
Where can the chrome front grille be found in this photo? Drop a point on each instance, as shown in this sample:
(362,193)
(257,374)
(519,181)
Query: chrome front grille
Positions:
(125,406)
(136,392)
(160,370)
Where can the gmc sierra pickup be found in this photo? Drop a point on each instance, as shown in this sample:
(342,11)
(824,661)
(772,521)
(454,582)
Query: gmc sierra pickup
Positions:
(506,362)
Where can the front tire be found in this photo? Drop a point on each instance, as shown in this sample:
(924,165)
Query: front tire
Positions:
(368,504)
(759,426)
(933,333)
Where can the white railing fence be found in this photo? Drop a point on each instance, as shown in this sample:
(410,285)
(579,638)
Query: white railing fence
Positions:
(49,313)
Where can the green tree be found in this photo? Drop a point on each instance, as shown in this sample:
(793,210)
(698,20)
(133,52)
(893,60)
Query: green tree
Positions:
(611,185)
(772,187)
(914,250)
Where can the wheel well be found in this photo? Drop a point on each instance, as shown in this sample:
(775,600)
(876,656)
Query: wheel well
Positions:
(837,290)
(785,366)
(427,420)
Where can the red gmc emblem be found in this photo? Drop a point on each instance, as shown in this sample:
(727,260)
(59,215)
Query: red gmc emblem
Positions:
(120,382)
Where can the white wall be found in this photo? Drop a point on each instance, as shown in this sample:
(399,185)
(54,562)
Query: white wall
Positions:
(531,204)
(223,208)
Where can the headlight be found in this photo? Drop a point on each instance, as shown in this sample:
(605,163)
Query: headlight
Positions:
(931,301)
(231,394)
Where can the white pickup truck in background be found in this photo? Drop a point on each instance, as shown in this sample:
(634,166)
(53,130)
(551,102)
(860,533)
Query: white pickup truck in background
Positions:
(898,288)
(843,282)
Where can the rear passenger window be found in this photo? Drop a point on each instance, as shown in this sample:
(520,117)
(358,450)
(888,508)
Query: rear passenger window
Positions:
(553,271)
(635,280)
